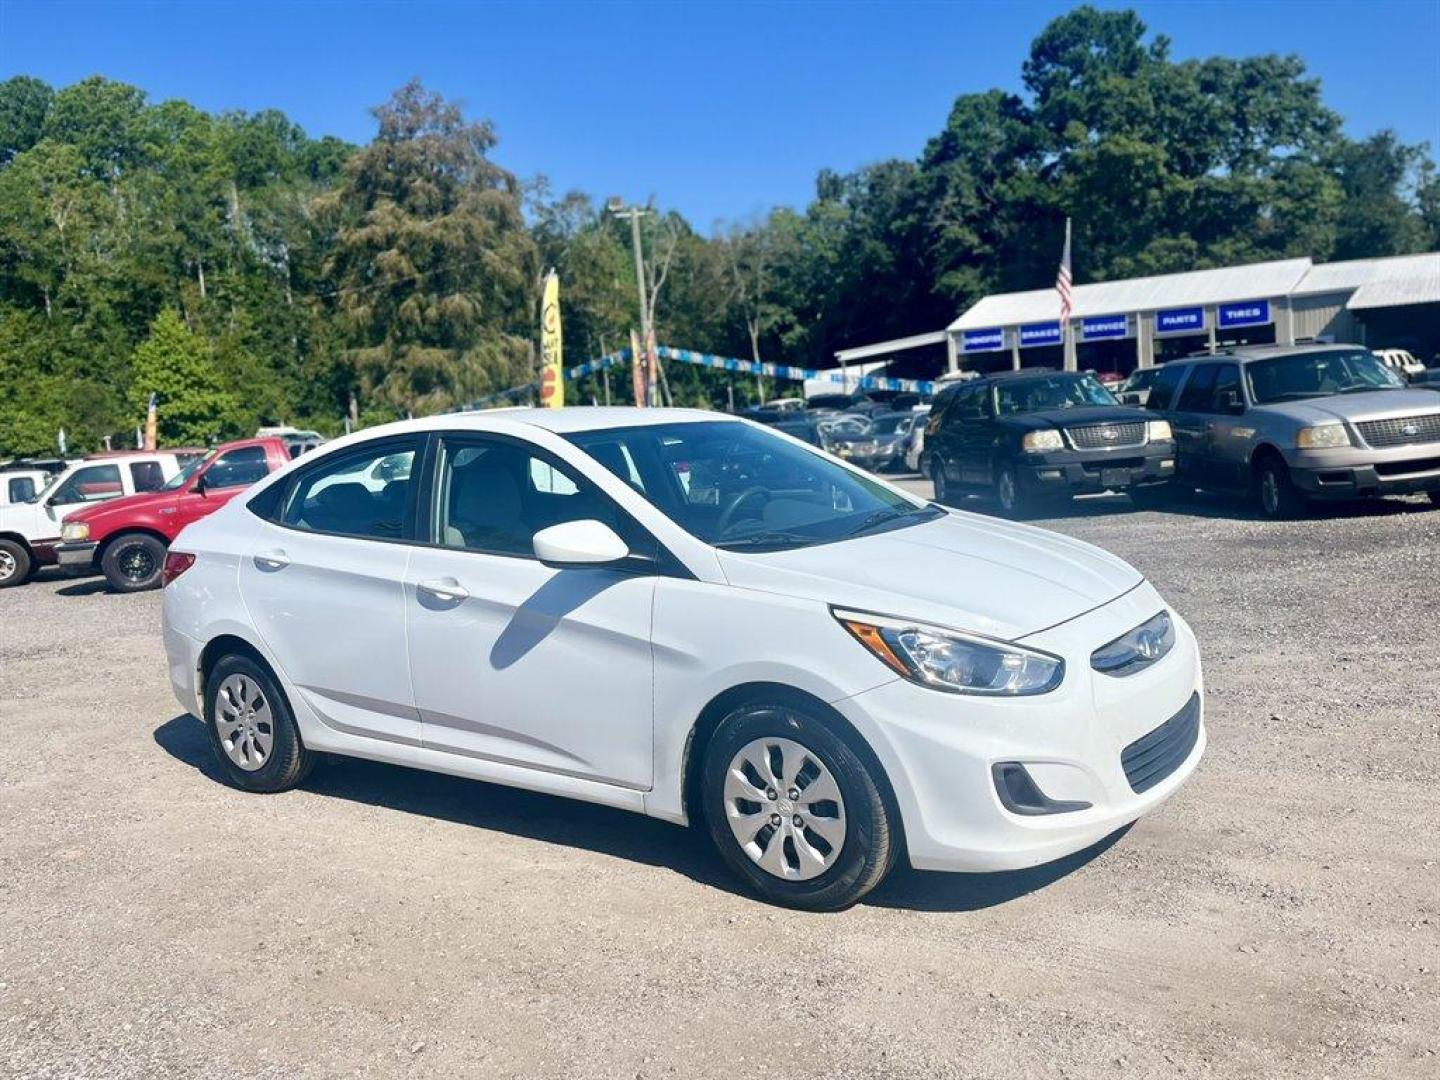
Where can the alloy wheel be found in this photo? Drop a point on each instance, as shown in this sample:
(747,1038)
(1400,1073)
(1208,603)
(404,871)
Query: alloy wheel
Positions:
(1270,491)
(1005,490)
(8,566)
(136,563)
(244,722)
(784,808)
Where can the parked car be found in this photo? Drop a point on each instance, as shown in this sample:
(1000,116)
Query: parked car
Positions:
(21,485)
(1287,424)
(30,531)
(1028,437)
(880,445)
(1402,362)
(126,540)
(1135,390)
(915,443)
(694,618)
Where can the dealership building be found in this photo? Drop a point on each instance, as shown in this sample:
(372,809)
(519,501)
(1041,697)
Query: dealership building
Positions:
(1140,322)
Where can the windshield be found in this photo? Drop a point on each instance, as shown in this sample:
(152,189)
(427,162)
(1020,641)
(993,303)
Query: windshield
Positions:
(737,486)
(1050,392)
(1140,380)
(1318,374)
(179,479)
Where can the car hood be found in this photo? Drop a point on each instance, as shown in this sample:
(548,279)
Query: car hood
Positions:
(1374,405)
(124,506)
(1075,417)
(965,571)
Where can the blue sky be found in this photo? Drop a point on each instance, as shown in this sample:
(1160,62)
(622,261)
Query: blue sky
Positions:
(720,110)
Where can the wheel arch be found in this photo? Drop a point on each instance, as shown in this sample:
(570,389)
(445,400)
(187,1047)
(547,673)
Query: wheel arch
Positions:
(1265,451)
(16,538)
(773,693)
(228,644)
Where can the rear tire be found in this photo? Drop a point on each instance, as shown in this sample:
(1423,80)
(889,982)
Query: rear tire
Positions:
(818,855)
(252,729)
(15,564)
(133,562)
(1274,493)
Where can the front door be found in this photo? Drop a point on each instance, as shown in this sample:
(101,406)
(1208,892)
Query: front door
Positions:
(325,587)
(1227,436)
(513,661)
(1189,421)
(219,482)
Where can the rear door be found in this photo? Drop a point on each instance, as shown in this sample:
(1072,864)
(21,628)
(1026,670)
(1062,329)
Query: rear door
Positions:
(513,661)
(1189,419)
(324,584)
(1227,436)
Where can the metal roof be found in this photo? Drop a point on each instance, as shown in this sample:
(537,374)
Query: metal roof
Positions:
(1222,284)
(1357,273)
(881,348)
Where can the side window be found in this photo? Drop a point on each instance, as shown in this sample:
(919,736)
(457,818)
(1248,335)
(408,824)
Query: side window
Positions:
(1195,397)
(147,475)
(1227,397)
(89,484)
(493,496)
(353,495)
(1163,386)
(968,405)
(240,467)
(20,489)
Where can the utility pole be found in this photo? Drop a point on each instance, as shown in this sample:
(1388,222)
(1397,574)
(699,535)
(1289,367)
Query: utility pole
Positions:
(616,206)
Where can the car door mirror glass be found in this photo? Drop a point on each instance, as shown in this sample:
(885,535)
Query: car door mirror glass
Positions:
(579,543)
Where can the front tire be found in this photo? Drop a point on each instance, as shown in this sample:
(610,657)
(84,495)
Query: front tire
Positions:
(133,562)
(15,564)
(1012,500)
(794,810)
(252,729)
(1275,494)
(937,478)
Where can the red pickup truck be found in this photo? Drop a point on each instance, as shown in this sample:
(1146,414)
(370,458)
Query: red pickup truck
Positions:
(126,539)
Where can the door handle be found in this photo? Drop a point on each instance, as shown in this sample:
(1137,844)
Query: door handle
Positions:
(272,560)
(443,589)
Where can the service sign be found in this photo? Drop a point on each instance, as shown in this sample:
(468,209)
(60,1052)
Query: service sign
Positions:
(1104,327)
(1044,333)
(1185,320)
(1245,313)
(991,340)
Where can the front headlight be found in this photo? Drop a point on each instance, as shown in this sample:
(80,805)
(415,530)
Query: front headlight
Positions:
(1159,431)
(74,532)
(1136,650)
(952,661)
(1037,442)
(1322,436)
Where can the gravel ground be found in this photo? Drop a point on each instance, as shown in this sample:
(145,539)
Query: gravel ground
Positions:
(1280,917)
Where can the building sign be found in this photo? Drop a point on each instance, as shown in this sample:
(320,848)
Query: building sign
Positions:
(992,340)
(1185,320)
(1245,313)
(1042,333)
(1104,327)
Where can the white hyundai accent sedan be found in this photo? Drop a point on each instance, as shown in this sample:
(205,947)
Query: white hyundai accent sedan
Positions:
(693,617)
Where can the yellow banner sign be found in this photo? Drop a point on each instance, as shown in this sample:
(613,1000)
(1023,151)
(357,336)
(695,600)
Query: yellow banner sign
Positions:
(552,380)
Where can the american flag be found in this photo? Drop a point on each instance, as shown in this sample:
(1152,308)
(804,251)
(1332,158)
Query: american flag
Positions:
(1062,278)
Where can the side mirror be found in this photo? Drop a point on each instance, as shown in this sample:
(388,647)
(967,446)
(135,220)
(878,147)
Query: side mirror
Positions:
(579,543)
(1231,402)
(200,484)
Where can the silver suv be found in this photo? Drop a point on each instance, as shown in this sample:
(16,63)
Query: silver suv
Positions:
(1292,423)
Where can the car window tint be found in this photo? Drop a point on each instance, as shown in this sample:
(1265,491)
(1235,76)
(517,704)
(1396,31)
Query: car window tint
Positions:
(89,483)
(1162,389)
(493,496)
(237,468)
(21,488)
(1195,397)
(147,475)
(1227,386)
(349,495)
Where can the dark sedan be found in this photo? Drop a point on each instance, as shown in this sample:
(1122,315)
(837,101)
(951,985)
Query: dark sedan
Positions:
(1026,437)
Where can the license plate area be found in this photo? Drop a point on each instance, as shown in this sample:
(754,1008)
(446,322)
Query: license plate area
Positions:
(1113,478)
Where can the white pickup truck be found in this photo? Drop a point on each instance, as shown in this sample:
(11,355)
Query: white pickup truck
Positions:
(30,530)
(20,485)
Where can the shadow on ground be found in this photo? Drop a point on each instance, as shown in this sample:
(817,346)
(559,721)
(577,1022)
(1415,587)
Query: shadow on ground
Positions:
(618,833)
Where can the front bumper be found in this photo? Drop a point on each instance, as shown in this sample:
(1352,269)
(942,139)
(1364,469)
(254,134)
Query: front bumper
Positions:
(940,750)
(1349,472)
(1082,472)
(76,554)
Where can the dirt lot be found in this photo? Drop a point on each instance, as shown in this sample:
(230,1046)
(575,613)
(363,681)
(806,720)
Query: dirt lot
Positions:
(1279,918)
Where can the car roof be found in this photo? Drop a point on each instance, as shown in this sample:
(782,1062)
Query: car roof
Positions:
(560,421)
(1262,352)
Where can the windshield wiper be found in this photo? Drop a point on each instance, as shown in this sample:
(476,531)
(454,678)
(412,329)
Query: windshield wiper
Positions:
(877,518)
(769,538)
(1360,389)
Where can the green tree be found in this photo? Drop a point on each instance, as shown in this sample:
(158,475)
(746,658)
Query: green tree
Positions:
(176,364)
(24,101)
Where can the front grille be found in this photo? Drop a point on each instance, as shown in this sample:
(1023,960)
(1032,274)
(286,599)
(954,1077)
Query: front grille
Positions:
(1153,757)
(1401,430)
(1107,436)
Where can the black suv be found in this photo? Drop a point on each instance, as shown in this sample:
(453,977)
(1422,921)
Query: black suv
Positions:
(1029,436)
